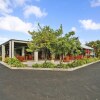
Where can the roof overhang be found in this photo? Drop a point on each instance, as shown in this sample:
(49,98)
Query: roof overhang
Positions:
(16,41)
(86,47)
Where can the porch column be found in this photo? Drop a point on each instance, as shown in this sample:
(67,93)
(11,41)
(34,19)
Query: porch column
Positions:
(11,49)
(3,52)
(23,51)
(36,56)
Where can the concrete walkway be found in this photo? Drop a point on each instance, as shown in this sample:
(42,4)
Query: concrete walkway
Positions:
(81,84)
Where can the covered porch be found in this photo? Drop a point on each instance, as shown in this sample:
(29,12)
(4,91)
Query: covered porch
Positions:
(17,48)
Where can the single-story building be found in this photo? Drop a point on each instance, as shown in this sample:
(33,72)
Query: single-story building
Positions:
(88,50)
(17,48)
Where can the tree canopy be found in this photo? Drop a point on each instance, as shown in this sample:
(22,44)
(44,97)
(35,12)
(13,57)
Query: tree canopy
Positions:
(53,40)
(96,46)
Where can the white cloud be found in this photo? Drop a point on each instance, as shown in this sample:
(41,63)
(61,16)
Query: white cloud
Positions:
(5,6)
(89,24)
(95,3)
(73,29)
(3,39)
(19,2)
(12,23)
(29,10)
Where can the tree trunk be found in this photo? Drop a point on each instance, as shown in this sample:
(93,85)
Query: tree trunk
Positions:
(52,58)
(60,59)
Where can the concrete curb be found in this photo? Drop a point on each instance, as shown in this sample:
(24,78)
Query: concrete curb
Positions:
(72,69)
(47,69)
(3,63)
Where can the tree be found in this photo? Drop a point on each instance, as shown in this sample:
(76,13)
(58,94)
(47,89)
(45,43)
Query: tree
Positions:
(67,45)
(96,46)
(49,39)
(45,38)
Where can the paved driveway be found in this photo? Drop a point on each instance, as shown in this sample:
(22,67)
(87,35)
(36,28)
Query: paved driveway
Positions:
(82,84)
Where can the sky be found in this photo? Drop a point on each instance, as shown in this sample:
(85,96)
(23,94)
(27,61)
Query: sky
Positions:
(17,17)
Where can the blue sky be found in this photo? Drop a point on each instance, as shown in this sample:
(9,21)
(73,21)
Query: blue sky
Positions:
(19,16)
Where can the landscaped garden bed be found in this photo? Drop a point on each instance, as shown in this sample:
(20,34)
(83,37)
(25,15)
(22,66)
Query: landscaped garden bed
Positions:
(14,62)
(73,64)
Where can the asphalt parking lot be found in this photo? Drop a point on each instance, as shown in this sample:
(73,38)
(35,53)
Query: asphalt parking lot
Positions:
(81,84)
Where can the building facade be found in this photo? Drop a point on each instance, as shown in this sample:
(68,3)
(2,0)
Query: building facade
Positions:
(17,48)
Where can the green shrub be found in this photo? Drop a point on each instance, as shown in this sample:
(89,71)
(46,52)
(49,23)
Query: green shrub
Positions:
(0,58)
(73,64)
(6,59)
(80,62)
(44,65)
(48,65)
(37,65)
(14,62)
(61,65)
(95,58)
(77,63)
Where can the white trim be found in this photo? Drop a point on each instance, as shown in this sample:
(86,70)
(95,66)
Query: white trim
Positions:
(10,49)
(20,41)
(86,47)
